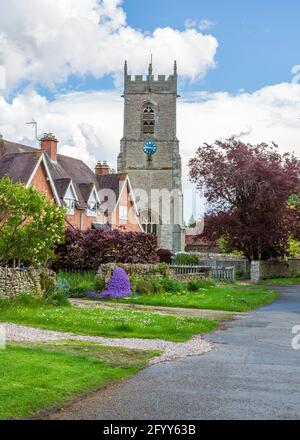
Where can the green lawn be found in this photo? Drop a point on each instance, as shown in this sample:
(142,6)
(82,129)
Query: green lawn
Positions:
(227,298)
(281,281)
(109,323)
(37,377)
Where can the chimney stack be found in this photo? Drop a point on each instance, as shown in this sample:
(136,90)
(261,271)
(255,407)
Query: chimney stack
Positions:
(49,145)
(102,169)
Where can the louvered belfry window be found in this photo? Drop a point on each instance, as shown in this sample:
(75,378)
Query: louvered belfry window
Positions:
(148,119)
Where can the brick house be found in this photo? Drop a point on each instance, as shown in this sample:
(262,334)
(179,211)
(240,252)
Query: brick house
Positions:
(93,199)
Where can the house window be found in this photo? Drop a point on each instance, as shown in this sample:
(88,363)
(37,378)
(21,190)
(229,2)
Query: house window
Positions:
(70,206)
(148,119)
(92,205)
(123,213)
(70,200)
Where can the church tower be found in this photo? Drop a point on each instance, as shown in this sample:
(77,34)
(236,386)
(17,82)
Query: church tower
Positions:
(150,154)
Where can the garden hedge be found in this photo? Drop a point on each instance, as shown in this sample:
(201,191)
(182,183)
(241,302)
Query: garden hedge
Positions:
(86,250)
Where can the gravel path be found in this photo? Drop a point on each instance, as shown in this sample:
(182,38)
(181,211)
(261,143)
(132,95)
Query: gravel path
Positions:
(171,350)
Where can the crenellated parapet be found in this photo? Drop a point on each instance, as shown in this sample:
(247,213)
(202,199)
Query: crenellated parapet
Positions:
(137,84)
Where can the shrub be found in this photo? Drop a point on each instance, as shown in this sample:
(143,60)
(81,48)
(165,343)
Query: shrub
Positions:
(156,285)
(31,225)
(143,287)
(195,285)
(47,280)
(79,282)
(99,283)
(163,269)
(86,250)
(118,286)
(165,256)
(186,259)
(63,285)
(56,298)
(133,282)
(171,285)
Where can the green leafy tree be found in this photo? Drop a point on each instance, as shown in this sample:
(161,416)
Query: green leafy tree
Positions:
(192,222)
(30,224)
(223,244)
(293,247)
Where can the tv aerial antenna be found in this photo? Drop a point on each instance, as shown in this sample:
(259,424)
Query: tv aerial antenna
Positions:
(34,124)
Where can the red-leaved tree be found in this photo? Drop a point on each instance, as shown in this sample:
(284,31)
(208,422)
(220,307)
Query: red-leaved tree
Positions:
(247,188)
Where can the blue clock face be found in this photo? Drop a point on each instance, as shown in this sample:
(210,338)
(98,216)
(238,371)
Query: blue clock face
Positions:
(150,147)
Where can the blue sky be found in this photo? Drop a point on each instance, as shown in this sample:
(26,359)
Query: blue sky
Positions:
(258,39)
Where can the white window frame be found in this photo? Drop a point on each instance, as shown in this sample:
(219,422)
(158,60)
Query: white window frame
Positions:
(92,202)
(70,200)
(123,212)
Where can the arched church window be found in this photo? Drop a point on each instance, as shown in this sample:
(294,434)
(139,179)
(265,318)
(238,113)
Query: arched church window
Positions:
(148,119)
(149,221)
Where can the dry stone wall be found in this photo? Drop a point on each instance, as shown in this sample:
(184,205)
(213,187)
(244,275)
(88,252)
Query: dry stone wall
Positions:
(15,281)
(138,270)
(263,270)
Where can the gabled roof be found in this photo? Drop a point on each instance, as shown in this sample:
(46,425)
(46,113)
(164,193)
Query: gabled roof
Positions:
(82,177)
(7,147)
(62,185)
(19,167)
(86,190)
(113,182)
(76,169)
(19,162)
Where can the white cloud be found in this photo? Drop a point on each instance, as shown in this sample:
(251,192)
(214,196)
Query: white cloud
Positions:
(45,41)
(206,24)
(203,25)
(190,23)
(269,114)
(88,125)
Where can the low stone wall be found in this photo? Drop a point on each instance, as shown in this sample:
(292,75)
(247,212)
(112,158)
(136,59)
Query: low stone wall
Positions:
(193,276)
(241,265)
(263,270)
(15,281)
(138,270)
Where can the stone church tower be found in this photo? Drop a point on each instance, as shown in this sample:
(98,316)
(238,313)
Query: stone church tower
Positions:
(150,154)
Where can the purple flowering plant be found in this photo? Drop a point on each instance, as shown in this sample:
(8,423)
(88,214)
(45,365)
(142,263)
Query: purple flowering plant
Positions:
(118,286)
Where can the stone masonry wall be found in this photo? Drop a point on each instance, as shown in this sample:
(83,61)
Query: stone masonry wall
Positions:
(241,265)
(14,281)
(261,270)
(138,270)
(150,270)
